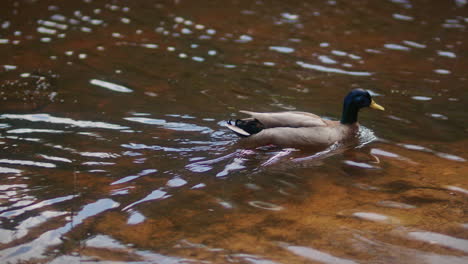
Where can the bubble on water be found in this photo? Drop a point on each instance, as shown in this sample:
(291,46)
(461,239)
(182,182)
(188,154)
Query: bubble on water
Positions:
(86,29)
(178,20)
(6,24)
(211,31)
(150,46)
(421,98)
(324,44)
(176,182)
(186,31)
(289,16)
(442,71)
(117,35)
(245,38)
(58,17)
(96,22)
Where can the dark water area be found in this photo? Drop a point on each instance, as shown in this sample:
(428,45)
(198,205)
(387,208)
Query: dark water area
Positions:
(113,147)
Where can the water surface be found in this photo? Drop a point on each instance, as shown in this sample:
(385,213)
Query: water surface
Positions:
(113,149)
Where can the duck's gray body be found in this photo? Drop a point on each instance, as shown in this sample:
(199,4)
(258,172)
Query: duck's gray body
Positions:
(297,129)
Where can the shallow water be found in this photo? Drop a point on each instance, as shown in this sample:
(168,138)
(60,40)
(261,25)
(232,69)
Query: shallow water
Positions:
(113,149)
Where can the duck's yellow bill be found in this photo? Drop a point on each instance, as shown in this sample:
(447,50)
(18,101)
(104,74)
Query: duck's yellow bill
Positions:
(376,106)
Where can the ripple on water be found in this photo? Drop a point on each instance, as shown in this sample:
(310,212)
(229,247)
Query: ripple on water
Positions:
(34,130)
(101,155)
(266,205)
(403,17)
(154,195)
(396,47)
(317,255)
(9,170)
(21,230)
(457,189)
(179,126)
(327,60)
(332,70)
(421,98)
(393,204)
(439,154)
(39,245)
(359,164)
(103,241)
(28,163)
(176,182)
(135,218)
(380,152)
(438,116)
(442,71)
(281,49)
(61,120)
(374,217)
(55,158)
(111,86)
(447,54)
(440,239)
(133,177)
(414,44)
(16,212)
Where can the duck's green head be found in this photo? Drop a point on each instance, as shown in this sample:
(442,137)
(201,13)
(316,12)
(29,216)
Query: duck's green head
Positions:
(355,100)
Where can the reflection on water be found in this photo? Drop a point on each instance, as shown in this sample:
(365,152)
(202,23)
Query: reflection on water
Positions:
(113,147)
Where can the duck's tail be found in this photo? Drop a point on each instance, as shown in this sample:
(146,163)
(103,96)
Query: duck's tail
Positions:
(245,127)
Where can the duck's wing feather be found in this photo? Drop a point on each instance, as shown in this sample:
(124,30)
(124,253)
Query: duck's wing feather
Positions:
(287,119)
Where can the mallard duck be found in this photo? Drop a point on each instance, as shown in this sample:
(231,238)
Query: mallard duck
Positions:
(289,129)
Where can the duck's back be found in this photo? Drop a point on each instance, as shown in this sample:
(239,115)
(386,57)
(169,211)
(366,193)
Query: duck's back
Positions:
(304,136)
(287,119)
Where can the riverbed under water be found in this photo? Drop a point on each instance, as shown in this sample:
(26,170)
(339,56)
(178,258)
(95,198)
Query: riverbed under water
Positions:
(113,147)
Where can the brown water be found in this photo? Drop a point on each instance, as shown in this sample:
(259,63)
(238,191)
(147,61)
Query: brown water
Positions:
(112,145)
